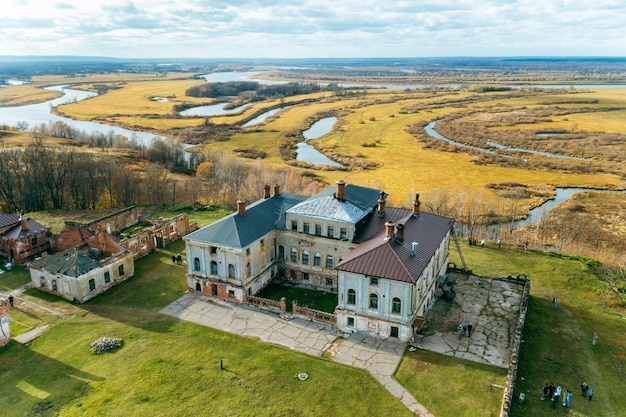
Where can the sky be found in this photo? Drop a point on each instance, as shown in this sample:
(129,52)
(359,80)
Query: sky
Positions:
(312,28)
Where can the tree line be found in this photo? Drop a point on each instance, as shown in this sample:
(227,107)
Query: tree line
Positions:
(253,91)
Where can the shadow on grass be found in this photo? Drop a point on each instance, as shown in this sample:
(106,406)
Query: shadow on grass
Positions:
(25,389)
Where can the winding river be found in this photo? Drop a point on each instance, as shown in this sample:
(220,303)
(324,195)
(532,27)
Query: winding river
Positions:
(308,153)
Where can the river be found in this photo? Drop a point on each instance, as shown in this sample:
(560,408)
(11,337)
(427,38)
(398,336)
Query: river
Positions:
(308,153)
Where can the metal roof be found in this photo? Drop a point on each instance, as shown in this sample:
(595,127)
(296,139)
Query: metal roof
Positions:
(239,231)
(330,208)
(391,259)
(73,262)
(8,220)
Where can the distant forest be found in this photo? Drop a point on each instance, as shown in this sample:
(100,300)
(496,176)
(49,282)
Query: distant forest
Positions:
(253,91)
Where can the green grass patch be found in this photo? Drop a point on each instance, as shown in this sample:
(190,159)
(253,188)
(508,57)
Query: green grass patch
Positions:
(318,300)
(16,277)
(451,387)
(169,367)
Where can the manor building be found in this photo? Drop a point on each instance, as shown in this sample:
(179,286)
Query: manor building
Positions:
(383,263)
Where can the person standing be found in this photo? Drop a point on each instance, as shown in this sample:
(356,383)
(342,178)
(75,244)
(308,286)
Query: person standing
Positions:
(568,398)
(554,303)
(499,243)
(590,394)
(557,396)
(11,300)
(551,389)
(595,339)
(469,329)
(461,331)
(584,387)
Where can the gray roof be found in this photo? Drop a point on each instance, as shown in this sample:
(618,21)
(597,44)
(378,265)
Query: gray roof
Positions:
(362,197)
(73,262)
(388,258)
(330,208)
(238,231)
(7,220)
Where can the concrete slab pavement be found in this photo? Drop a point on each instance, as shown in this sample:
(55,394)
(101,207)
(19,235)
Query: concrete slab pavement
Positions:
(378,356)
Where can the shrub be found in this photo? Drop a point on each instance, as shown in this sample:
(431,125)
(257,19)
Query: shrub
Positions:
(105,344)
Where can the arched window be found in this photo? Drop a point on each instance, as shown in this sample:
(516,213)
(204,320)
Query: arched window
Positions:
(351,297)
(196,264)
(231,271)
(281,252)
(248,270)
(305,257)
(374,301)
(213,268)
(317,259)
(396,306)
(330,262)
(294,255)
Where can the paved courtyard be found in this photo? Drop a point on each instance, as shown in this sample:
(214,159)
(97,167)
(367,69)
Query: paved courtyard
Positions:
(492,306)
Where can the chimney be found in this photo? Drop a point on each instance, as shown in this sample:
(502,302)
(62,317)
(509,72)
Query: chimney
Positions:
(381,204)
(414,248)
(400,233)
(340,194)
(389,230)
(24,222)
(416,205)
(241,207)
(266,191)
(276,190)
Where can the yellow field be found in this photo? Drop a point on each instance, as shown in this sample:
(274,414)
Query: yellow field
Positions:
(379,119)
(20,95)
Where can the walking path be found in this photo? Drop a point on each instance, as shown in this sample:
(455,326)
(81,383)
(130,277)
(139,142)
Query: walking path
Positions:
(378,356)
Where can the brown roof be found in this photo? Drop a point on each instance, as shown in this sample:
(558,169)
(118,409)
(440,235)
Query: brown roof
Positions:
(391,259)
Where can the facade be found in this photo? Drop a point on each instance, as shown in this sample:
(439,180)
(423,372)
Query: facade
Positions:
(84,271)
(322,242)
(5,323)
(21,238)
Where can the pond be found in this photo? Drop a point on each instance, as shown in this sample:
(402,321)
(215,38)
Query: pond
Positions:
(308,153)
(218,109)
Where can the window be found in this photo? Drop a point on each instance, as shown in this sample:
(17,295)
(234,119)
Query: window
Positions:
(213,250)
(374,301)
(213,268)
(305,257)
(306,228)
(373,281)
(33,242)
(120,270)
(305,276)
(281,252)
(107,277)
(350,321)
(329,262)
(318,230)
(351,297)
(262,243)
(330,232)
(329,282)
(248,270)
(42,282)
(231,293)
(231,271)
(247,251)
(294,225)
(92,284)
(294,255)
(54,285)
(317,259)
(343,233)
(394,331)
(396,306)
(293,274)
(196,264)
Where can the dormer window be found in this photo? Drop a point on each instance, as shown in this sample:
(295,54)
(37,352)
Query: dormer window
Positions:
(318,230)
(305,228)
(343,233)
(330,232)
(294,225)
(373,281)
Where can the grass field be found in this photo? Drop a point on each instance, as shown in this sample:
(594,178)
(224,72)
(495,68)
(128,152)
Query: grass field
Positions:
(171,367)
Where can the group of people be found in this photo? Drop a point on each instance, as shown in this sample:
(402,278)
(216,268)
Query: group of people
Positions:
(465,328)
(555,394)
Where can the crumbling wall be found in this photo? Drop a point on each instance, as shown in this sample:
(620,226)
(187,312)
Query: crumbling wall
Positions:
(5,323)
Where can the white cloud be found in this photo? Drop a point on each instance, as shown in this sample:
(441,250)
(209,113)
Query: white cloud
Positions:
(301,28)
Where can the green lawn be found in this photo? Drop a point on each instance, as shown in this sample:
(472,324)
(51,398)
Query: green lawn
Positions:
(168,367)
(318,300)
(557,342)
